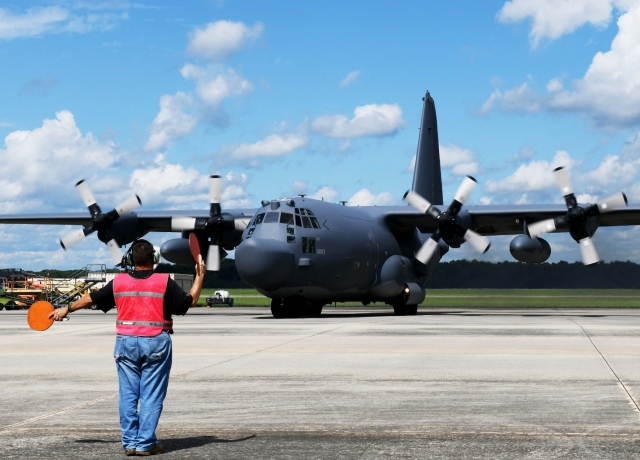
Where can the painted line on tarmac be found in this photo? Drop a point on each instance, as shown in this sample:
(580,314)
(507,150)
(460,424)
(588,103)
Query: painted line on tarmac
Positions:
(66,409)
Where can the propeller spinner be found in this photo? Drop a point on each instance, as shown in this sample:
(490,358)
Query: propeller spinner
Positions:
(576,217)
(448,225)
(101,222)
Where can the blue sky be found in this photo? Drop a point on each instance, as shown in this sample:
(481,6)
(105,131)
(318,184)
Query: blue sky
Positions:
(322,98)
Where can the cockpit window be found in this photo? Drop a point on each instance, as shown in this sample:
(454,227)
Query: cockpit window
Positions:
(286,218)
(298,221)
(297,211)
(271,217)
(258,219)
(303,211)
(314,222)
(309,212)
(305,222)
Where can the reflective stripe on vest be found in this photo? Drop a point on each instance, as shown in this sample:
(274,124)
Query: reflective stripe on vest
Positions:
(140,304)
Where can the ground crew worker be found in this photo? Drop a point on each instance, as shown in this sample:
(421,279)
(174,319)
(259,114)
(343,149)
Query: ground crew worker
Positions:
(146,302)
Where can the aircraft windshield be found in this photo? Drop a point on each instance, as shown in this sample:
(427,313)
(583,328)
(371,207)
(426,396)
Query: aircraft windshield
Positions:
(271,217)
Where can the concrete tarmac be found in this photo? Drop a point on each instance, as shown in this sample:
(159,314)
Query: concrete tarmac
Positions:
(354,383)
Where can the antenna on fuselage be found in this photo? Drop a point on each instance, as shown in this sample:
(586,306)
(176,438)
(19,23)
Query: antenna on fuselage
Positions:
(343,203)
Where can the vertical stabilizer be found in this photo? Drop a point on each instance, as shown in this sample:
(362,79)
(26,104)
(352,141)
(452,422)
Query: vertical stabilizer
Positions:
(427,180)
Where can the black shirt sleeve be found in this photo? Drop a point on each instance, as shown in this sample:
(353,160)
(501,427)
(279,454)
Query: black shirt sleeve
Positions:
(104,298)
(176,301)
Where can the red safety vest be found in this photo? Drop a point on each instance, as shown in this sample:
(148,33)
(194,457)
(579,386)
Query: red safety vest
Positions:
(140,305)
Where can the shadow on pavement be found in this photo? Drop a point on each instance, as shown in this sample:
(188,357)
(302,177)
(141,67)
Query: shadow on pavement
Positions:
(175,444)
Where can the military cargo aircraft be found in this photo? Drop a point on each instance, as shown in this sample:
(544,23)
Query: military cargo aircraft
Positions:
(305,253)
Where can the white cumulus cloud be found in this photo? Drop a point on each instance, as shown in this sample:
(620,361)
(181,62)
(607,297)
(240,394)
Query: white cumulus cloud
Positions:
(214,84)
(609,92)
(368,120)
(52,19)
(172,122)
(529,177)
(219,40)
(274,145)
(350,78)
(365,197)
(326,193)
(553,18)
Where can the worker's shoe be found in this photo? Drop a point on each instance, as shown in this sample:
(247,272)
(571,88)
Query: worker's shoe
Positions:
(130,452)
(155,450)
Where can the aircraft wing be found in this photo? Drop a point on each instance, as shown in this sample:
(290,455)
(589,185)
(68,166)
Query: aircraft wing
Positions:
(158,221)
(506,220)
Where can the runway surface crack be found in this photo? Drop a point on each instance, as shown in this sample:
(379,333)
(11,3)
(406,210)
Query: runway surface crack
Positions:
(608,365)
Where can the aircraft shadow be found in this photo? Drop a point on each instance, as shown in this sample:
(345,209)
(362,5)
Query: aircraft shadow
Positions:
(363,315)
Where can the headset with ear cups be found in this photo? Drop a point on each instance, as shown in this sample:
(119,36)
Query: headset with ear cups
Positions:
(127,259)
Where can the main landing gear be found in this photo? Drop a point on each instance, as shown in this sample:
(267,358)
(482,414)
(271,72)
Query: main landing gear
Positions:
(294,307)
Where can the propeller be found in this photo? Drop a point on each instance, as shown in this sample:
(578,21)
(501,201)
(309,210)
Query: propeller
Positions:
(449,229)
(215,224)
(101,221)
(576,217)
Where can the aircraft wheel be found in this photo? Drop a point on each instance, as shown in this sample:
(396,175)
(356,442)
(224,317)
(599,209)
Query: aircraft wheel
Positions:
(400,310)
(411,310)
(11,305)
(1,306)
(278,310)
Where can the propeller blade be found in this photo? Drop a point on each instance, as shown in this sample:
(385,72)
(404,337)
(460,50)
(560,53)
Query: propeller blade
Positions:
(427,250)
(619,200)
(129,205)
(588,250)
(183,223)
(416,201)
(85,193)
(465,189)
(562,179)
(479,242)
(544,226)
(73,238)
(215,189)
(213,258)
(114,251)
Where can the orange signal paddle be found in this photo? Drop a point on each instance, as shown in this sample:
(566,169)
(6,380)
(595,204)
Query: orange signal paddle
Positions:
(38,316)
(194,246)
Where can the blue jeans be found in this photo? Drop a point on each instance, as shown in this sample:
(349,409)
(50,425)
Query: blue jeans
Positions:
(143,365)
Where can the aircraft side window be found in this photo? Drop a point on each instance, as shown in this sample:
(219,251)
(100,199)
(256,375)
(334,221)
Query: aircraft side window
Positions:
(298,222)
(286,218)
(309,213)
(315,222)
(305,244)
(291,231)
(303,211)
(259,219)
(251,230)
(297,211)
(312,245)
(291,239)
(271,217)
(305,222)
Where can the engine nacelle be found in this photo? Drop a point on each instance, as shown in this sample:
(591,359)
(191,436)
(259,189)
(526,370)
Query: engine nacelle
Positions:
(125,230)
(530,250)
(177,251)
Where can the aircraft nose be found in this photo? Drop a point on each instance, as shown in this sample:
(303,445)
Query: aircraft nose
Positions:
(264,263)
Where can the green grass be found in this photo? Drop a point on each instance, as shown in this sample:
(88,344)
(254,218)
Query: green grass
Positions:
(488,298)
(479,298)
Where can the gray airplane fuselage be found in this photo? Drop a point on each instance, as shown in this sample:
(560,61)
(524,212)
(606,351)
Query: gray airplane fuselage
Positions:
(327,252)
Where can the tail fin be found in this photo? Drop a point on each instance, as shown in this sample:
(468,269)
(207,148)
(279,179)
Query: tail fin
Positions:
(427,179)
